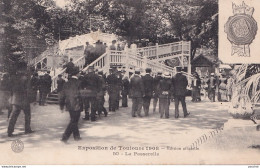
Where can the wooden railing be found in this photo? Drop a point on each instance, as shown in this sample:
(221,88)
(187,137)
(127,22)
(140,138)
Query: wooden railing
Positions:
(78,63)
(165,50)
(139,58)
(127,59)
(101,62)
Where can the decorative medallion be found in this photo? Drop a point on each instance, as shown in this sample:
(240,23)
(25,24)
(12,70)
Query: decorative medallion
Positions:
(241,29)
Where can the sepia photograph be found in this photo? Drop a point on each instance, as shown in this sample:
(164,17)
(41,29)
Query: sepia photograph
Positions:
(129,82)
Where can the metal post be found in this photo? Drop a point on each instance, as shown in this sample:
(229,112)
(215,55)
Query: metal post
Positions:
(157,47)
(189,63)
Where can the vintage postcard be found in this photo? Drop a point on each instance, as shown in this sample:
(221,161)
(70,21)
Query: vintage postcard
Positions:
(130,82)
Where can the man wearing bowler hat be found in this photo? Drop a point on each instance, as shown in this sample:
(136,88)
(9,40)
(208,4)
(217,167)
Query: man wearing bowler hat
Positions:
(155,88)
(90,86)
(137,93)
(180,83)
(148,90)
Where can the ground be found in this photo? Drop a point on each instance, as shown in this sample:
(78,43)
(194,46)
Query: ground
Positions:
(197,139)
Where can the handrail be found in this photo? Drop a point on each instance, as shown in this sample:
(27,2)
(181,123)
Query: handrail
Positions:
(94,62)
(79,63)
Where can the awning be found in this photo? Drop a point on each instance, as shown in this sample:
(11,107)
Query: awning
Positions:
(224,66)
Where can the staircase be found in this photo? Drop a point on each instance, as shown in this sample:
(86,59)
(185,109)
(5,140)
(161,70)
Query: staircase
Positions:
(152,57)
(53,98)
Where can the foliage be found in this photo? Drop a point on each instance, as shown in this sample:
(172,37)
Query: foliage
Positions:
(37,24)
(24,28)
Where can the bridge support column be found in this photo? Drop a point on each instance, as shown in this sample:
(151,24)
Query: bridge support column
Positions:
(157,48)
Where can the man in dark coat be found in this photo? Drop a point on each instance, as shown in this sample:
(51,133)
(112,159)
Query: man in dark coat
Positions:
(180,83)
(70,96)
(148,90)
(5,93)
(137,93)
(125,91)
(90,87)
(119,87)
(155,88)
(60,85)
(165,94)
(45,82)
(112,82)
(34,86)
(20,100)
(101,94)
(70,67)
(212,83)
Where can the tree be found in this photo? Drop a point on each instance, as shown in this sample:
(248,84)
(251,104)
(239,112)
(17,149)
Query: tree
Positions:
(196,21)
(25,26)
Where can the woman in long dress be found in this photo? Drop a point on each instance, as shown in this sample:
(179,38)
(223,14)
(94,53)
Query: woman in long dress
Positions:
(223,89)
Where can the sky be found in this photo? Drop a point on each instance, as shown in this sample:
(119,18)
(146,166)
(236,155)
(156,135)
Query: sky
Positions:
(60,3)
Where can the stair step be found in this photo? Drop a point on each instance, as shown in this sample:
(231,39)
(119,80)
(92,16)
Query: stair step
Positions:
(53,95)
(52,98)
(52,102)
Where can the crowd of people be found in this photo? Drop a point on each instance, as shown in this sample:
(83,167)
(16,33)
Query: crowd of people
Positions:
(86,92)
(19,90)
(212,87)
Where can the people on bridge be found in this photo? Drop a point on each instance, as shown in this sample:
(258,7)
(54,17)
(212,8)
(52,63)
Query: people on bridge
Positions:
(90,86)
(180,84)
(137,93)
(20,100)
(113,46)
(70,67)
(155,88)
(212,83)
(148,90)
(70,96)
(165,94)
(89,53)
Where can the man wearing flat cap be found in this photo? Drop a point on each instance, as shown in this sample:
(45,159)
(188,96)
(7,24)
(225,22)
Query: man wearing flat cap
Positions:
(148,90)
(137,93)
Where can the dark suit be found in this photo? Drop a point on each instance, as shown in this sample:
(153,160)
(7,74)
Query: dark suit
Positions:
(20,101)
(70,67)
(212,83)
(165,93)
(155,87)
(148,92)
(137,93)
(90,87)
(112,82)
(70,96)
(125,91)
(44,88)
(180,83)
(100,96)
